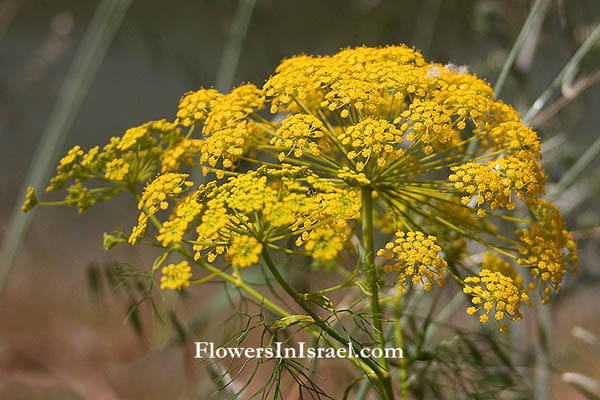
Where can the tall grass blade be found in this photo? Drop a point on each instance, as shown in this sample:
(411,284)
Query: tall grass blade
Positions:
(103,27)
(568,71)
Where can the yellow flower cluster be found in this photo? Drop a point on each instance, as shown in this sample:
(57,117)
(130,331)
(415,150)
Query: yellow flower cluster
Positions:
(324,243)
(244,251)
(548,249)
(352,177)
(30,201)
(70,159)
(195,106)
(67,168)
(227,144)
(125,161)
(154,198)
(495,263)
(233,107)
(343,203)
(298,132)
(428,122)
(156,194)
(354,79)
(365,120)
(172,231)
(249,205)
(513,135)
(297,79)
(495,181)
(492,290)
(463,94)
(163,126)
(176,276)
(360,76)
(181,153)
(375,138)
(139,231)
(226,127)
(80,196)
(116,170)
(132,137)
(417,258)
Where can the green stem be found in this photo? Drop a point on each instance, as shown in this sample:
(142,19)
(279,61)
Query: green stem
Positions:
(383,375)
(240,284)
(366,214)
(400,343)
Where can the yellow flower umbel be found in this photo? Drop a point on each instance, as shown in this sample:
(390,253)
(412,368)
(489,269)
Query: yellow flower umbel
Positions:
(156,194)
(494,292)
(298,132)
(244,251)
(267,206)
(324,243)
(116,170)
(195,106)
(495,263)
(416,258)
(176,276)
(548,250)
(361,131)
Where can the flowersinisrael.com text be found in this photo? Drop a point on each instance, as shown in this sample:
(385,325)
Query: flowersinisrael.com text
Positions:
(278,350)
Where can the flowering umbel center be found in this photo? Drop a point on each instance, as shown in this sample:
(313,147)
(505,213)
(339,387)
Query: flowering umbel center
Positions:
(444,163)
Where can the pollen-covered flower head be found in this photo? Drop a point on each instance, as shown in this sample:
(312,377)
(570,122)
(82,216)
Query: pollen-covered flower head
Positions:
(176,276)
(495,293)
(299,131)
(548,250)
(417,259)
(156,194)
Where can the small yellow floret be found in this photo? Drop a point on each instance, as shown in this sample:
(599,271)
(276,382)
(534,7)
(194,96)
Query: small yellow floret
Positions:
(176,277)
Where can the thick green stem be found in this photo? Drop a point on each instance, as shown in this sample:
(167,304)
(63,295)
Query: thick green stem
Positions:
(366,214)
(382,374)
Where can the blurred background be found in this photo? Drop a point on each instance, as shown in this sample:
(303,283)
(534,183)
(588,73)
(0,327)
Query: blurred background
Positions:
(63,333)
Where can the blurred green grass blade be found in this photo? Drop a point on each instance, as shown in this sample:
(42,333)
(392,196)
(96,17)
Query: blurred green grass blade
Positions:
(233,48)
(425,28)
(514,52)
(576,170)
(444,315)
(567,71)
(94,45)
(133,318)
(363,390)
